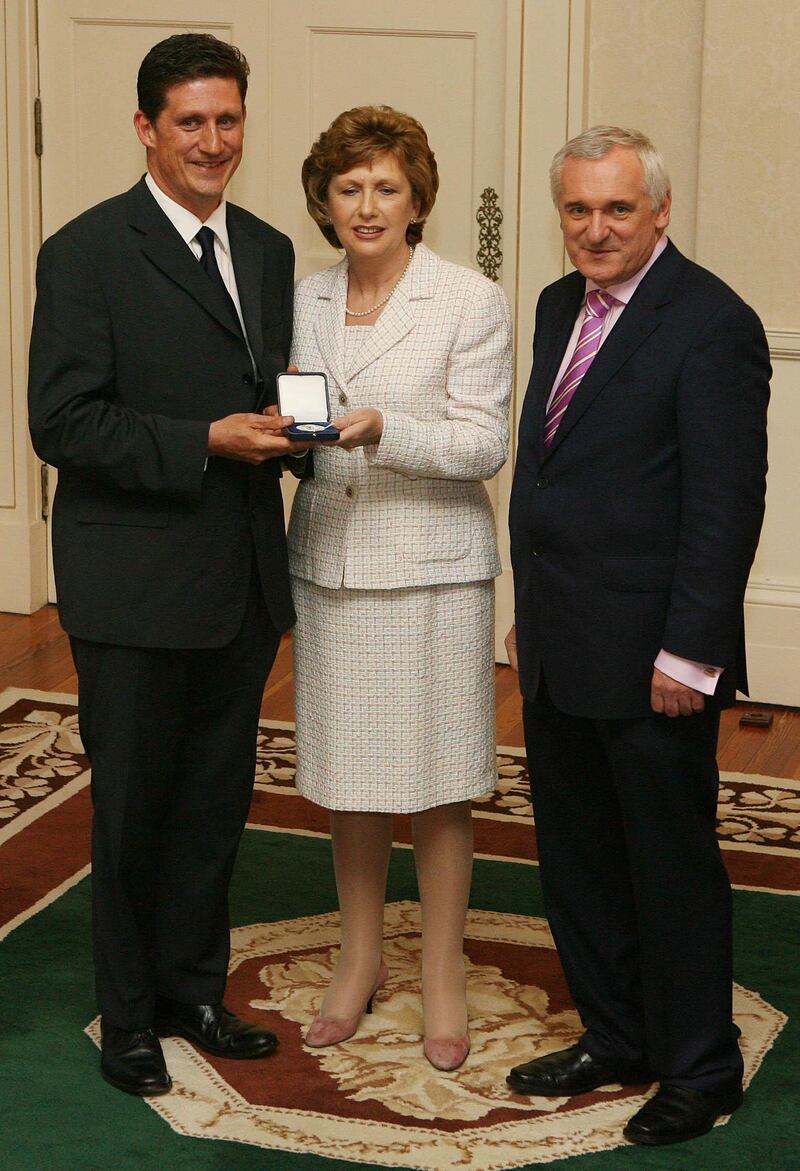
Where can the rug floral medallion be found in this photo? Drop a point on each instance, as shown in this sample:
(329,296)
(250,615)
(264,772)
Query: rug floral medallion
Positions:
(375,1099)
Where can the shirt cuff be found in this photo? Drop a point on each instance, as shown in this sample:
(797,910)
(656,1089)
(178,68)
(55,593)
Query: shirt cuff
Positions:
(701,676)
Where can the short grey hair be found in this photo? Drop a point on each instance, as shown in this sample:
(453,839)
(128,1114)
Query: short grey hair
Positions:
(597,141)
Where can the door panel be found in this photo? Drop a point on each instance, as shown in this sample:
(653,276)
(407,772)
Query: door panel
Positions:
(89,54)
(446,66)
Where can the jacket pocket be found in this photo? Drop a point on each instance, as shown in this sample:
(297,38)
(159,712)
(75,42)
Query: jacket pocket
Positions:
(435,520)
(638,574)
(139,515)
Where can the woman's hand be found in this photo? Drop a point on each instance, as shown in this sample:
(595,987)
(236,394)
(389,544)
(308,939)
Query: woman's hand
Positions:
(360,428)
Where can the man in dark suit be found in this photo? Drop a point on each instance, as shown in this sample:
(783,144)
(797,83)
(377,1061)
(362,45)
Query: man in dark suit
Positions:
(635,513)
(161,319)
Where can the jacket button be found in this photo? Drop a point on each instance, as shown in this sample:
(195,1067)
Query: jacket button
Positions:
(248,379)
(543,482)
(349,491)
(342,398)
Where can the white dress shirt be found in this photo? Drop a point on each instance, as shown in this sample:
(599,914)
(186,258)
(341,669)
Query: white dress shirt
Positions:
(187,225)
(701,676)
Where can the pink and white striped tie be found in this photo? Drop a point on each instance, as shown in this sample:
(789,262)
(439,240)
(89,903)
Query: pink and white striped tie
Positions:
(597,305)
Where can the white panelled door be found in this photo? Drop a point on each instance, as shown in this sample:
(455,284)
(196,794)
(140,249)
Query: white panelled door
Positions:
(454,65)
(89,54)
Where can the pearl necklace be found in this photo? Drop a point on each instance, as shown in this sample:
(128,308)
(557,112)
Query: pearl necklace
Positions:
(366,312)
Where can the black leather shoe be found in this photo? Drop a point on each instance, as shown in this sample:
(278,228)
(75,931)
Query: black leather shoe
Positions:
(567,1072)
(132,1061)
(675,1114)
(212,1028)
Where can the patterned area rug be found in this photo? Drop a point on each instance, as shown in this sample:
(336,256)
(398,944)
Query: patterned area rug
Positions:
(758,818)
(41,761)
(373,1101)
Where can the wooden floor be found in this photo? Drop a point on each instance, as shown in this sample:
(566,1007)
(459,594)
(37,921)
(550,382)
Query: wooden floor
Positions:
(34,652)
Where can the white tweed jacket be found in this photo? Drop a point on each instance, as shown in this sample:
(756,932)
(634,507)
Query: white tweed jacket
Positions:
(410,510)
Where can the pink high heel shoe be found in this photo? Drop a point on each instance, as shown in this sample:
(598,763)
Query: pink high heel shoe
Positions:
(446,1053)
(331,1030)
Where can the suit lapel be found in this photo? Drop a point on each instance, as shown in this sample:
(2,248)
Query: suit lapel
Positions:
(165,249)
(329,321)
(393,324)
(642,315)
(247,254)
(399,317)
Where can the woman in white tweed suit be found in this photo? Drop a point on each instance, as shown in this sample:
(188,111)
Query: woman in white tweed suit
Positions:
(392,547)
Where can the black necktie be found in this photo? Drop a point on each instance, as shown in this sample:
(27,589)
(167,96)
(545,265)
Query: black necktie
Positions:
(208,262)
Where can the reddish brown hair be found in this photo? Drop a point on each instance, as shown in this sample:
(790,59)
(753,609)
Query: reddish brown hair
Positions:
(358,136)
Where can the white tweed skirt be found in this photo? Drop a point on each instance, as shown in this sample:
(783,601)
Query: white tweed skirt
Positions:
(394,693)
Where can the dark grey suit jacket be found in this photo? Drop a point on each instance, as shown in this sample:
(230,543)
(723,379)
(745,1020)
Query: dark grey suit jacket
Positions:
(133,354)
(636,530)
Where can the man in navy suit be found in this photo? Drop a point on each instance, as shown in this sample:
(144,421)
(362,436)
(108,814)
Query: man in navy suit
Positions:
(161,319)
(637,503)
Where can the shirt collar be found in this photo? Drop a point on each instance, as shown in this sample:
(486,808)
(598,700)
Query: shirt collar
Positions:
(185,222)
(625,289)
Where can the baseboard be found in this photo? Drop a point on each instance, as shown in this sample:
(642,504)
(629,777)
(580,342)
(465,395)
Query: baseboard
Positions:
(773,651)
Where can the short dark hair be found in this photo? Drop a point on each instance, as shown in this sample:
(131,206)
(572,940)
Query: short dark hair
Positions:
(185,57)
(358,136)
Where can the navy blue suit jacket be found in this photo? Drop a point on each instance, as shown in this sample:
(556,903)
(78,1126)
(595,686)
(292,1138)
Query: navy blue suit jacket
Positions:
(636,530)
